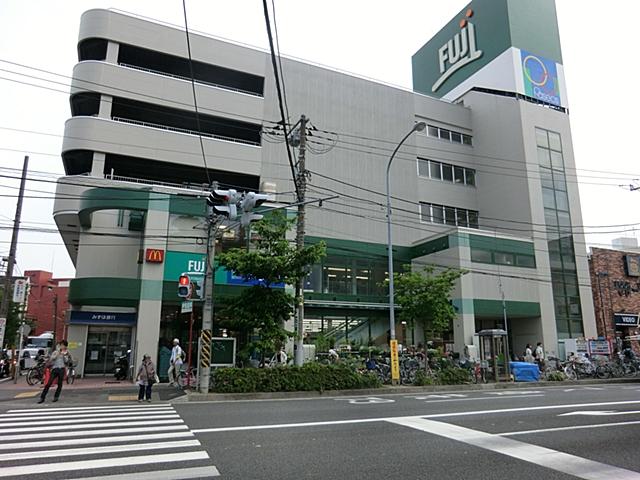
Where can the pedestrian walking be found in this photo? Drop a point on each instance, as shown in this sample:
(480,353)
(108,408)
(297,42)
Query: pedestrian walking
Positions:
(175,362)
(57,363)
(538,354)
(528,354)
(145,378)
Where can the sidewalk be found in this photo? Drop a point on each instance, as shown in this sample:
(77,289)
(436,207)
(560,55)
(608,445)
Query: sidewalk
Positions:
(86,390)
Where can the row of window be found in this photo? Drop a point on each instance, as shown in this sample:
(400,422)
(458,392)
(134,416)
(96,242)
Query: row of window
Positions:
(446,172)
(449,135)
(444,215)
(479,255)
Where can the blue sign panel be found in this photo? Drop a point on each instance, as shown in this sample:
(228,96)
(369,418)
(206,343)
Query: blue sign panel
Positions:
(540,78)
(233,279)
(102,318)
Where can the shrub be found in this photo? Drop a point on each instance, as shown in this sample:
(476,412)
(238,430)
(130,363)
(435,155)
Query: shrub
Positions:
(311,376)
(555,377)
(453,376)
(422,379)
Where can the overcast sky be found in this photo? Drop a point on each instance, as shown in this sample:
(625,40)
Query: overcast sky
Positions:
(370,38)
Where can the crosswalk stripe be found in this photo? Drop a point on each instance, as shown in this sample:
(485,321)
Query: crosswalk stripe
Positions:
(102,407)
(102,463)
(91,425)
(99,413)
(72,421)
(87,441)
(69,452)
(16,418)
(30,436)
(181,474)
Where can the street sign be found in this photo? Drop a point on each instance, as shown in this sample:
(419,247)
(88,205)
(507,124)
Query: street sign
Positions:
(19,291)
(3,325)
(395,365)
(24,329)
(186,307)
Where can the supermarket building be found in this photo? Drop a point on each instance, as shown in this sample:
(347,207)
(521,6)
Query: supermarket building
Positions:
(485,187)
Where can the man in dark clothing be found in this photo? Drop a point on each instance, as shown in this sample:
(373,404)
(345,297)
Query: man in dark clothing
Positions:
(58,364)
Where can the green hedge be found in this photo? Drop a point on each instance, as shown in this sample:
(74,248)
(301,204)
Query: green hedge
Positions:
(310,376)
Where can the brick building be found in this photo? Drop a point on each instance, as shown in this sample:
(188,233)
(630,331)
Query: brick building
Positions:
(47,294)
(615,282)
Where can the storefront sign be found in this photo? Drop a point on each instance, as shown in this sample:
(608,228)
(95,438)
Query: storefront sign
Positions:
(186,307)
(540,77)
(632,265)
(154,255)
(625,288)
(19,291)
(626,319)
(78,317)
(599,347)
(458,51)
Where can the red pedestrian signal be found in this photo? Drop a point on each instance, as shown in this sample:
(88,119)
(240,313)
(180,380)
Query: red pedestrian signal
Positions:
(184,286)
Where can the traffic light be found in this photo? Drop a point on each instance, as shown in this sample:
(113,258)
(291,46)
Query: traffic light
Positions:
(184,286)
(224,202)
(250,201)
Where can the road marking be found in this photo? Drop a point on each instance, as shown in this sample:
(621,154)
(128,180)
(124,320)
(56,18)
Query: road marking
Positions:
(27,394)
(86,441)
(181,474)
(429,397)
(122,398)
(40,415)
(515,392)
(572,427)
(542,456)
(482,399)
(68,452)
(31,436)
(366,400)
(600,413)
(74,409)
(91,425)
(102,463)
(66,422)
(384,419)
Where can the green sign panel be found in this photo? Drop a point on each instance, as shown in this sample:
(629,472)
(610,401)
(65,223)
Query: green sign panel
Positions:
(223,352)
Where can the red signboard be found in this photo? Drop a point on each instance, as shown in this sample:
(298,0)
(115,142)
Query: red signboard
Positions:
(154,255)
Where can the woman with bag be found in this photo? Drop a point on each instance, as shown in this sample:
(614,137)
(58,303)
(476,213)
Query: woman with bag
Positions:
(146,378)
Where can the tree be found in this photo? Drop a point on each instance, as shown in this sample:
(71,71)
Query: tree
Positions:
(424,297)
(271,264)
(14,316)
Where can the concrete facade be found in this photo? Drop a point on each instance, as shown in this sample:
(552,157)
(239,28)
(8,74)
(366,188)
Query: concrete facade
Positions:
(135,183)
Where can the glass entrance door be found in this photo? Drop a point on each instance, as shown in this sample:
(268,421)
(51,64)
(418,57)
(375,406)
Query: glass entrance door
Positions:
(104,345)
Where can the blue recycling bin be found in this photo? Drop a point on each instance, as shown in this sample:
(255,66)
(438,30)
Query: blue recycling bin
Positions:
(525,372)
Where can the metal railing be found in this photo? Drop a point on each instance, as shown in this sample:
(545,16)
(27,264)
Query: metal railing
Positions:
(185,130)
(182,77)
(189,186)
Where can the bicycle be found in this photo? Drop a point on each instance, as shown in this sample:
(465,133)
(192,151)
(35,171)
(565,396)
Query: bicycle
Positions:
(36,374)
(187,378)
(71,373)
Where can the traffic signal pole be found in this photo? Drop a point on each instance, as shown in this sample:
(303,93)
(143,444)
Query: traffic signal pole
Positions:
(204,368)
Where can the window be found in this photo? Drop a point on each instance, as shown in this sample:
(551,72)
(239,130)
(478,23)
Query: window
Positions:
(527,261)
(546,178)
(423,167)
(470,177)
(541,138)
(434,169)
(548,198)
(556,160)
(449,135)
(544,159)
(120,221)
(447,172)
(481,256)
(562,201)
(453,216)
(554,141)
(502,258)
(458,175)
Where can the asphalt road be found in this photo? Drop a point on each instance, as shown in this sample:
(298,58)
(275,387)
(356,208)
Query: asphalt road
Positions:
(538,433)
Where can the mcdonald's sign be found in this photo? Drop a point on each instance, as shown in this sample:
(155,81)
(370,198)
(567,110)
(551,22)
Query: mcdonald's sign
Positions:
(154,255)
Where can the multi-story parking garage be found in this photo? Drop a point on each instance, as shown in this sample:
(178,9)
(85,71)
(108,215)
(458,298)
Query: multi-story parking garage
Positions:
(485,187)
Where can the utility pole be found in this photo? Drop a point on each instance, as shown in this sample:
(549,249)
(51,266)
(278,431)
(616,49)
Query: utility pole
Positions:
(207,313)
(4,305)
(301,183)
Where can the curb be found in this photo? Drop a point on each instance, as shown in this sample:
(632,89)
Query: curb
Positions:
(387,390)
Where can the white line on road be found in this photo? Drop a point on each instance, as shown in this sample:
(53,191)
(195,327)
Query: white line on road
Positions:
(102,463)
(542,456)
(481,399)
(600,413)
(88,433)
(434,415)
(5,417)
(90,425)
(61,442)
(181,474)
(73,409)
(42,421)
(571,427)
(68,452)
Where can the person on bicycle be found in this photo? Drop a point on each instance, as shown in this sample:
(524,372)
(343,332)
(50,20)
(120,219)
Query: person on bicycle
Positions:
(58,363)
(175,362)
(333,356)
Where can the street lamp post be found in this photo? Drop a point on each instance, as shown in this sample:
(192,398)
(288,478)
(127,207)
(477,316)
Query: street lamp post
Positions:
(418,127)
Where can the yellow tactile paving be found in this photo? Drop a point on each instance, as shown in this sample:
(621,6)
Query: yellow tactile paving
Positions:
(27,395)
